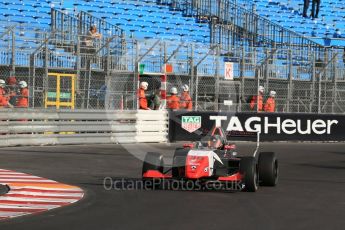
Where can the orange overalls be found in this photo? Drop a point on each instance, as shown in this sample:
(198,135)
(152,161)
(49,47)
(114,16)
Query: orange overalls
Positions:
(3,98)
(142,100)
(254,100)
(23,98)
(186,101)
(173,102)
(270,105)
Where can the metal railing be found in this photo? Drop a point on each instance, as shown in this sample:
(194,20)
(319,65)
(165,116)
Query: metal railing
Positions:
(233,25)
(311,84)
(327,39)
(68,25)
(306,80)
(107,29)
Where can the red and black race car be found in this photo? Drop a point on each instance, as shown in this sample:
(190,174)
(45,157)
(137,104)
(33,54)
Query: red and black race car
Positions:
(215,159)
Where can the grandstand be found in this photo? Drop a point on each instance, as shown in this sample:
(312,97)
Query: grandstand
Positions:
(328,29)
(269,42)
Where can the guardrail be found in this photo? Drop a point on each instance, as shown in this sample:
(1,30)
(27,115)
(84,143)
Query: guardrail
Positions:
(50,127)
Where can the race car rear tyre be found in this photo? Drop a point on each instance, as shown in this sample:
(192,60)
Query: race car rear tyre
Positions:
(268,169)
(248,168)
(153,161)
(179,163)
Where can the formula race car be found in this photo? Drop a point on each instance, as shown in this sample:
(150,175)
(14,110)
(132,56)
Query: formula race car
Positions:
(215,159)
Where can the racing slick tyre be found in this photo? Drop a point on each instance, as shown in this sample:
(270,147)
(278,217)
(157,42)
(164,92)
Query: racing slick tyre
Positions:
(268,169)
(179,163)
(248,168)
(153,161)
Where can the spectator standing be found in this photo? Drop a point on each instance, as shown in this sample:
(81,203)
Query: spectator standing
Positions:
(2,88)
(155,100)
(257,99)
(89,46)
(315,8)
(186,100)
(173,101)
(142,97)
(23,97)
(3,97)
(270,105)
(305,8)
(12,90)
(91,38)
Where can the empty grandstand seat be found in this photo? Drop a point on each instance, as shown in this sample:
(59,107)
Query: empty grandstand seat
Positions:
(289,15)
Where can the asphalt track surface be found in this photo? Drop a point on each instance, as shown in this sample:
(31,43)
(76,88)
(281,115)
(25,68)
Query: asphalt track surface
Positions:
(310,194)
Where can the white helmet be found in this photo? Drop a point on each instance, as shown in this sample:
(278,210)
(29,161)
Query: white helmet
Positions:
(2,83)
(173,90)
(23,84)
(261,89)
(185,87)
(144,85)
(273,93)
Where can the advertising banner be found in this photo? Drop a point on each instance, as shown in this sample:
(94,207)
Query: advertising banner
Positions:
(191,126)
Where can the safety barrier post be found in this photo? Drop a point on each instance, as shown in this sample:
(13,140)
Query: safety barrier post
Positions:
(163,91)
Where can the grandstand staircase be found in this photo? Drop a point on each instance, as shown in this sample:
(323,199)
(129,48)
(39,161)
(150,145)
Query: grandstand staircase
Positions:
(182,22)
(327,29)
(247,29)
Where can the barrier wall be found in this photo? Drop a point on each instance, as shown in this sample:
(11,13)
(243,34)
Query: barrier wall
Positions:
(190,126)
(49,127)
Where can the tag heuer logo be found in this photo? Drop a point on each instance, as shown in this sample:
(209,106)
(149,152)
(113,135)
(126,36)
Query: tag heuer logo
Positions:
(191,123)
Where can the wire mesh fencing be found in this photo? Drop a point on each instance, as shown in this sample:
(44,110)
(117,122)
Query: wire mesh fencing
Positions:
(107,75)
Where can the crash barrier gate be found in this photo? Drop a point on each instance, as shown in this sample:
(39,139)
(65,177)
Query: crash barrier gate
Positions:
(191,126)
(50,127)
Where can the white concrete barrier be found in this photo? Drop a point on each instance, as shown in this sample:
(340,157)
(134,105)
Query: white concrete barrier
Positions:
(52,127)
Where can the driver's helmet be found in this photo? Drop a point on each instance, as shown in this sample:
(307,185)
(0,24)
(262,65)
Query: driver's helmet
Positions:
(215,141)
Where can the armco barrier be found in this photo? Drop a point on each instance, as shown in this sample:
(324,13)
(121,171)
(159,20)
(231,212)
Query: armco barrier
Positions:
(49,127)
(190,126)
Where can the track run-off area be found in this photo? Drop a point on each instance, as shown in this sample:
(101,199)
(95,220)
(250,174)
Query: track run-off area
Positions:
(309,195)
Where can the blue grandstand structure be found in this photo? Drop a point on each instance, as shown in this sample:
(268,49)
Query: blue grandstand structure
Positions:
(264,39)
(169,20)
(328,29)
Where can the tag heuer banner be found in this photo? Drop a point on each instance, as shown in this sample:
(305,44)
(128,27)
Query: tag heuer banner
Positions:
(191,126)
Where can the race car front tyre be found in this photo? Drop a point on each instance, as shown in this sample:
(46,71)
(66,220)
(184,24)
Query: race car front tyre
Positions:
(153,161)
(268,169)
(248,168)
